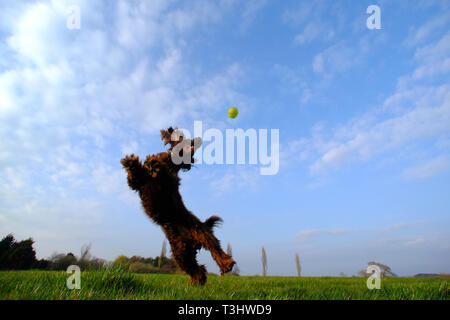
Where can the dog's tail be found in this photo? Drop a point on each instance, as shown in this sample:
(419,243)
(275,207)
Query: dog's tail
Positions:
(212,222)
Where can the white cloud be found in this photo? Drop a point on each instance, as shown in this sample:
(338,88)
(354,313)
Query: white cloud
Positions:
(108,180)
(415,242)
(300,14)
(311,234)
(313,31)
(318,63)
(430,168)
(361,142)
(88,87)
(73,101)
(129,148)
(337,58)
(401,226)
(236,179)
(293,81)
(394,227)
(434,59)
(422,33)
(312,17)
(250,12)
(409,116)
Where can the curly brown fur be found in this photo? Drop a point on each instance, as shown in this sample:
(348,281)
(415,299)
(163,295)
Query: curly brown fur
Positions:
(157,182)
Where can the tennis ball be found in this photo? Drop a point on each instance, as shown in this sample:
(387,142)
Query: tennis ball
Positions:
(233,112)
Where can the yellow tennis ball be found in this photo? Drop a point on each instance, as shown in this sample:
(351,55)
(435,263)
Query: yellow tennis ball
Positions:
(233,112)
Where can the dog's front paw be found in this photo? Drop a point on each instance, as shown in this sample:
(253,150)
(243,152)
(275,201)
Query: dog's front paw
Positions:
(129,161)
(154,167)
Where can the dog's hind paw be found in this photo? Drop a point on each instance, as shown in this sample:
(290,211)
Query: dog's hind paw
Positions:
(227,266)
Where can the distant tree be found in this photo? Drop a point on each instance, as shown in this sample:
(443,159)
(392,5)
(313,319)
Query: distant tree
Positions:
(341,274)
(6,245)
(229,250)
(17,255)
(264,262)
(121,261)
(23,255)
(385,271)
(87,261)
(163,253)
(86,252)
(235,271)
(97,264)
(150,260)
(141,267)
(85,256)
(42,264)
(61,261)
(299,267)
(363,273)
(166,265)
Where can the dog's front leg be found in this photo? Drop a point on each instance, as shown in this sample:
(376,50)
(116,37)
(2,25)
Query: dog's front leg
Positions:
(137,174)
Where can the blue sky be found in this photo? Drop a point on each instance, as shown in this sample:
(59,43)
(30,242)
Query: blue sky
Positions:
(364,120)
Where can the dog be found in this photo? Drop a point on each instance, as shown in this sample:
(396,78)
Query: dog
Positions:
(157,182)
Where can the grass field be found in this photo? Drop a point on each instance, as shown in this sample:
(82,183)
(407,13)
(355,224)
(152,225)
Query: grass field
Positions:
(123,285)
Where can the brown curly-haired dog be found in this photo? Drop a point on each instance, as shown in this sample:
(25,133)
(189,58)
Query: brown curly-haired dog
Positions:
(157,182)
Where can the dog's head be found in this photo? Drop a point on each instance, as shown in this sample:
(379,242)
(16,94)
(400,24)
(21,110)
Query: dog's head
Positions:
(181,150)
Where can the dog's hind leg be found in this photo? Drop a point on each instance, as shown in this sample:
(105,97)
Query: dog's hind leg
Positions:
(184,251)
(211,243)
(186,259)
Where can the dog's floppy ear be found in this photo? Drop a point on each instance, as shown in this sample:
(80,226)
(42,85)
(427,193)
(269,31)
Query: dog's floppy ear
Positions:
(166,135)
(172,136)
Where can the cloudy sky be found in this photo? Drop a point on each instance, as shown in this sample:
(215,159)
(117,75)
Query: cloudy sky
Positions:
(364,120)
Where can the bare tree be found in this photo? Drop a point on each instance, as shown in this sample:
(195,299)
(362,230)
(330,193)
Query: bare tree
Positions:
(264,262)
(299,267)
(85,256)
(235,270)
(87,261)
(229,251)
(85,252)
(163,253)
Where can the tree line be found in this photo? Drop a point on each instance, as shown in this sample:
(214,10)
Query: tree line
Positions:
(21,255)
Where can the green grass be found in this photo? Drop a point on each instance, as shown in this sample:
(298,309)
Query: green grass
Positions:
(115,284)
